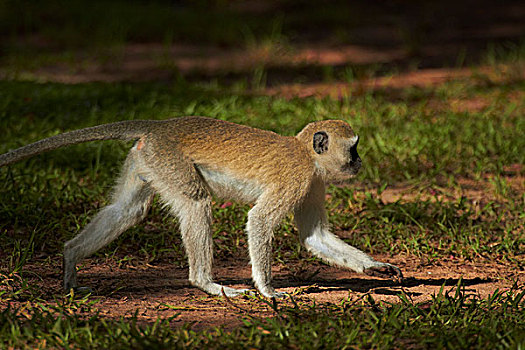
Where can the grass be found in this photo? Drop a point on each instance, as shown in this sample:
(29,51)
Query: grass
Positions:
(94,24)
(405,143)
(418,140)
(452,320)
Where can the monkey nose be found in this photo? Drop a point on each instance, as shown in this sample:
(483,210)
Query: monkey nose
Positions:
(356,162)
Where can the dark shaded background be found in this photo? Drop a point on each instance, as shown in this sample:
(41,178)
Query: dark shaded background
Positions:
(428,34)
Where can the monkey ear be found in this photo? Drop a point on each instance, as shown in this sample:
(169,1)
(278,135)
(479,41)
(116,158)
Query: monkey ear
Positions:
(320,142)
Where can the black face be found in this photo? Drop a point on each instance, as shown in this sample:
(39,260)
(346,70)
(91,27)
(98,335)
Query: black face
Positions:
(354,164)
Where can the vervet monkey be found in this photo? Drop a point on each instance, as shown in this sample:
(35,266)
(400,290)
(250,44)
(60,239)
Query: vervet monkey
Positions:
(187,160)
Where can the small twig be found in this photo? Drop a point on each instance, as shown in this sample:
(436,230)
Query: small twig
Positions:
(354,302)
(228,301)
(293,301)
(275,307)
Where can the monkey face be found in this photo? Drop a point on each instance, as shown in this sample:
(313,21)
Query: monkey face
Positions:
(336,156)
(333,146)
(345,162)
(354,161)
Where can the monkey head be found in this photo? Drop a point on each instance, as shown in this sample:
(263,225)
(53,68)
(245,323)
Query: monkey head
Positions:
(333,147)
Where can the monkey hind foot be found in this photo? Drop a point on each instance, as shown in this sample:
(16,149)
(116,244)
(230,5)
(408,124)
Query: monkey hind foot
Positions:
(270,292)
(79,291)
(279,295)
(217,289)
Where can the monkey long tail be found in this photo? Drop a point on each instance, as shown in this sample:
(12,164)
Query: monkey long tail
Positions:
(125,130)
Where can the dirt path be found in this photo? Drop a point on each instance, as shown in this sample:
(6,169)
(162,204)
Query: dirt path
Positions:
(155,62)
(163,290)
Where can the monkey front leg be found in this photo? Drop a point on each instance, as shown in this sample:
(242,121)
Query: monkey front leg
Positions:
(260,227)
(324,244)
(311,221)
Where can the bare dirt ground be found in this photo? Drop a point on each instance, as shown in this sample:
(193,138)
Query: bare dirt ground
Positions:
(163,290)
(155,62)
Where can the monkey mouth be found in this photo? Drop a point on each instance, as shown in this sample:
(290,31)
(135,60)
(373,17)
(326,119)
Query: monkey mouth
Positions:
(353,167)
(352,172)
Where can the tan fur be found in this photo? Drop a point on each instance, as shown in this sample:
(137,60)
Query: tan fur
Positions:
(187,160)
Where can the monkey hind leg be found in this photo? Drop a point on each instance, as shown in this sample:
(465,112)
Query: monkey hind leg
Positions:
(130,203)
(195,217)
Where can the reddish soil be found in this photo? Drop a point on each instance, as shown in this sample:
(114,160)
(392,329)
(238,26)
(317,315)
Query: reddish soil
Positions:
(164,291)
(150,62)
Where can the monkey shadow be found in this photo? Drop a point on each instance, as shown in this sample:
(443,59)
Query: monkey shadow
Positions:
(377,286)
(153,285)
(361,285)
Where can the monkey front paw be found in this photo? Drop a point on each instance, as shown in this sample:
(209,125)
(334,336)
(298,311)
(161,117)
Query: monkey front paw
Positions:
(385,271)
(218,289)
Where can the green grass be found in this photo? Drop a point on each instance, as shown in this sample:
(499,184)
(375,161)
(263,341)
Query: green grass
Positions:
(413,138)
(403,142)
(47,199)
(451,320)
(95,24)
